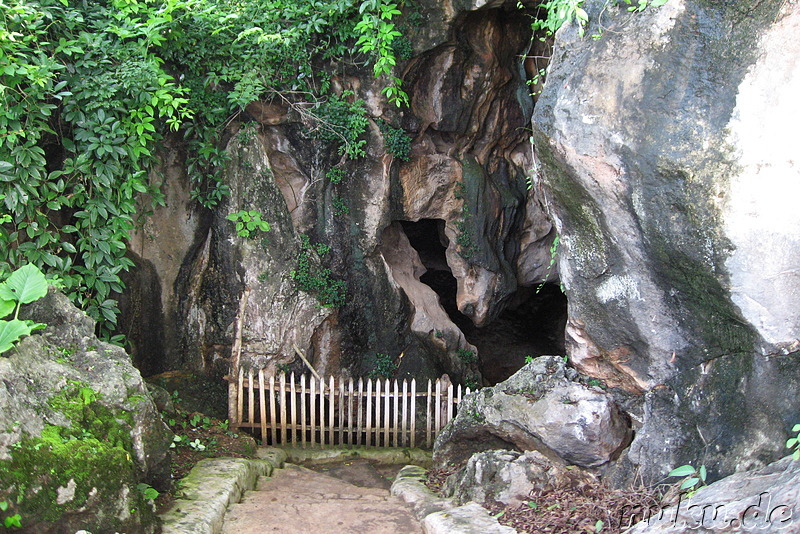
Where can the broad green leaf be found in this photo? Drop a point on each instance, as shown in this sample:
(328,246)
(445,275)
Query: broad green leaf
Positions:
(682,471)
(791,442)
(702,473)
(10,332)
(25,285)
(796,428)
(690,482)
(6,307)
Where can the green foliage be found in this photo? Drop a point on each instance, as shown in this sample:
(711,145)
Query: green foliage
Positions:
(692,476)
(467,356)
(471,383)
(335,175)
(794,443)
(553,258)
(641,5)
(91,90)
(339,207)
(402,48)
(529,358)
(385,366)
(398,142)
(464,239)
(312,278)
(344,123)
(560,12)
(148,492)
(248,223)
(86,100)
(376,36)
(25,285)
(10,521)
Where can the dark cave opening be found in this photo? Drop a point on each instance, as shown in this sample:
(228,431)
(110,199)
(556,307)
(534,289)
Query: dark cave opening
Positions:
(532,323)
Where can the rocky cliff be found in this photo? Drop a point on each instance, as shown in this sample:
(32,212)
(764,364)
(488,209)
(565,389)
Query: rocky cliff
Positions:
(669,179)
(661,158)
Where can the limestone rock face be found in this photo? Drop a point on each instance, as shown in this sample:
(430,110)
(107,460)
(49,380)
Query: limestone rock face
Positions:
(65,378)
(669,176)
(508,477)
(277,316)
(467,125)
(762,500)
(539,408)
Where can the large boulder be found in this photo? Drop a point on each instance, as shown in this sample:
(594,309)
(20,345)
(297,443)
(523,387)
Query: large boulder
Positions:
(671,178)
(509,477)
(538,408)
(78,429)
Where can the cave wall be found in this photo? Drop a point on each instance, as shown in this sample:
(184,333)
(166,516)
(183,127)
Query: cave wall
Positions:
(469,119)
(666,171)
(670,176)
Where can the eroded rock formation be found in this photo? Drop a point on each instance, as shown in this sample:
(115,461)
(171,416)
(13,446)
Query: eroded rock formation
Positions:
(668,176)
(664,167)
(463,186)
(78,429)
(544,408)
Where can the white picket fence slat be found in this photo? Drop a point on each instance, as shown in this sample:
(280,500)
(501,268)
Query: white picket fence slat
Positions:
(305,411)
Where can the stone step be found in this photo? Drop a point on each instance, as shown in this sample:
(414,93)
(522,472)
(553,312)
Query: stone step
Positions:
(298,500)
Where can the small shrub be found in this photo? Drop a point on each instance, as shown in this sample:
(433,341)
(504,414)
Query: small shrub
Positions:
(312,278)
(385,367)
(339,207)
(248,223)
(794,443)
(398,142)
(467,356)
(693,476)
(335,175)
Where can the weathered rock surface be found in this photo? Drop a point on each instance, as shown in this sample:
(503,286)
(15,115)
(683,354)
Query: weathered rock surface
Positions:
(78,429)
(442,515)
(539,408)
(763,500)
(210,488)
(509,477)
(469,157)
(669,177)
(277,315)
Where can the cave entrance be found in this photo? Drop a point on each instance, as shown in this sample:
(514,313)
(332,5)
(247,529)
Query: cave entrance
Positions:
(532,323)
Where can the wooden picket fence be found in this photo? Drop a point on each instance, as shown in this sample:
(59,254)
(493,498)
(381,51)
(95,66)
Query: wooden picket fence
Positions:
(315,412)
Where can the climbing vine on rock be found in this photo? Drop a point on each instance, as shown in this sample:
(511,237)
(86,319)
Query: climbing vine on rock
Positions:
(91,90)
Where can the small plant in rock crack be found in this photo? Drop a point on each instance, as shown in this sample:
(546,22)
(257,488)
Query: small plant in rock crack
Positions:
(339,207)
(553,257)
(794,443)
(467,356)
(693,478)
(385,366)
(10,520)
(248,223)
(148,492)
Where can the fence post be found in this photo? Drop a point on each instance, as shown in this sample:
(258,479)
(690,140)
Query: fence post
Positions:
(272,415)
(428,419)
(262,405)
(413,412)
(293,410)
(303,410)
(331,411)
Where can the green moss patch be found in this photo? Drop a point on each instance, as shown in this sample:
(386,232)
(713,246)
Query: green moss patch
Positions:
(85,466)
